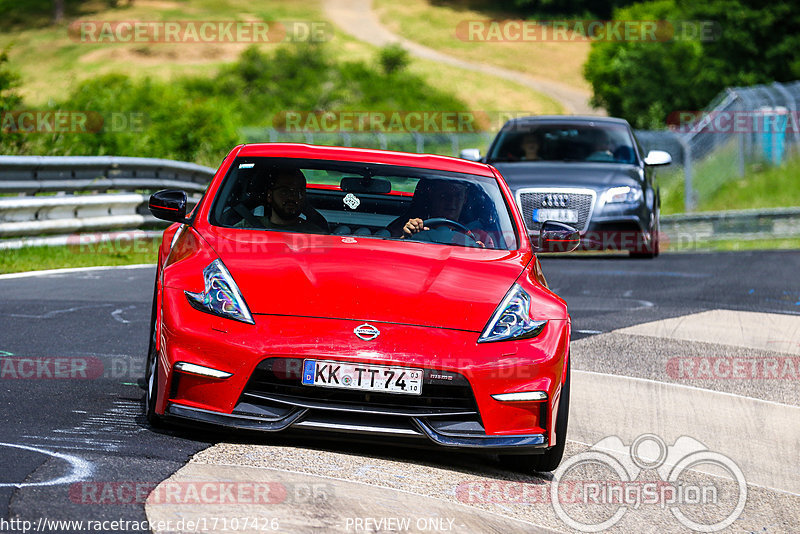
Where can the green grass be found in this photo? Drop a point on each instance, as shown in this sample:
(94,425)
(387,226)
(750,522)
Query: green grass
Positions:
(51,63)
(718,185)
(731,245)
(764,186)
(116,253)
(439,25)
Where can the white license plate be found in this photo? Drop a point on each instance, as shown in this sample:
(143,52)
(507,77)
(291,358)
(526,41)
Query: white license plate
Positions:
(362,376)
(567,216)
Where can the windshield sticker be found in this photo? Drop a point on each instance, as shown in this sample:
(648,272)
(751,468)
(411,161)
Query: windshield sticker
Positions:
(351,201)
(246,165)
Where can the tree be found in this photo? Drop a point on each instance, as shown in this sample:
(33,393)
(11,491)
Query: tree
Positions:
(10,142)
(560,8)
(645,81)
(58,11)
(758,41)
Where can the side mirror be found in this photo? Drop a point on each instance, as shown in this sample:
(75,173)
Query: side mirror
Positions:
(558,237)
(472,154)
(656,158)
(169,205)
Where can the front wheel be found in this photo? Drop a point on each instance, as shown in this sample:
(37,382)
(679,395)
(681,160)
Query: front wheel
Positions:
(652,250)
(548,461)
(151,373)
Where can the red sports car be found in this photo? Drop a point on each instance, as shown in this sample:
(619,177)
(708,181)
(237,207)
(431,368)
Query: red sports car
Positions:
(362,293)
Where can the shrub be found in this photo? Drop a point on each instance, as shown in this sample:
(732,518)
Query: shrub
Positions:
(393,58)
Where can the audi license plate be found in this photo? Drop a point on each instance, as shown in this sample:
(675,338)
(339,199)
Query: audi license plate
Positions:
(362,376)
(567,216)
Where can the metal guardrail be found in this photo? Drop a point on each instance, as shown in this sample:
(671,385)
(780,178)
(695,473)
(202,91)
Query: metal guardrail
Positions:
(71,177)
(740,224)
(37,174)
(74,213)
(26,216)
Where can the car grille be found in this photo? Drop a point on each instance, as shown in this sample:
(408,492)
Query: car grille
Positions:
(277,381)
(533,199)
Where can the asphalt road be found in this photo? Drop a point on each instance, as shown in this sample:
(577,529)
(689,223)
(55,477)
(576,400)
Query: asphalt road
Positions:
(610,292)
(73,345)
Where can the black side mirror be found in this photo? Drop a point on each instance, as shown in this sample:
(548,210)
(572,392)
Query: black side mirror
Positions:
(558,237)
(169,205)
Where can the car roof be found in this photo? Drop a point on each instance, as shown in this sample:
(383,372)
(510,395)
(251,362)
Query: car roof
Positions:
(565,119)
(365,155)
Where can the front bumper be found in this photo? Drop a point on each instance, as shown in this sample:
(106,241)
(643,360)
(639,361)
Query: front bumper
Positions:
(301,419)
(466,417)
(622,232)
(602,226)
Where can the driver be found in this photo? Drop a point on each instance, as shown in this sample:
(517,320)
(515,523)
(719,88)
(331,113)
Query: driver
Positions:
(446,201)
(433,199)
(603,148)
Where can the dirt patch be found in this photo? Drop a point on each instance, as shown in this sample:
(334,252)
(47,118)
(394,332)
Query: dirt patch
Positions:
(155,54)
(157,4)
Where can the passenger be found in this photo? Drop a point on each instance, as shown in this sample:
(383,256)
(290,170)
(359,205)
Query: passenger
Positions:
(286,204)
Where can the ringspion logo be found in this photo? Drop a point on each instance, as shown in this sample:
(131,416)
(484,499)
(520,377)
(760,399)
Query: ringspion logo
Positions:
(610,476)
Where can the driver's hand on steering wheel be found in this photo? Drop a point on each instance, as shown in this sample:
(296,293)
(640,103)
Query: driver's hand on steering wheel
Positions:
(413,226)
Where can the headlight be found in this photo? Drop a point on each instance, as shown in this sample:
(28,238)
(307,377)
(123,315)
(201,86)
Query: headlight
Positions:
(221,296)
(512,319)
(623,194)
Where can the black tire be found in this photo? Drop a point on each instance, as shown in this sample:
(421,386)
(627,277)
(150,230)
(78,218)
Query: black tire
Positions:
(151,373)
(544,463)
(648,252)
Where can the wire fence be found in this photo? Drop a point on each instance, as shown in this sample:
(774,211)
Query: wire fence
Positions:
(742,126)
(447,144)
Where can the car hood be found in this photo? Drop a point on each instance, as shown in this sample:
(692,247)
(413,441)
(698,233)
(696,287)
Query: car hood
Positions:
(566,174)
(367,279)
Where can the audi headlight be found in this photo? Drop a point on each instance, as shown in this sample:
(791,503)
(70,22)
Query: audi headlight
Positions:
(512,319)
(221,296)
(626,194)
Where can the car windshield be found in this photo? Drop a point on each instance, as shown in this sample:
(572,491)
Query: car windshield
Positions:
(592,142)
(364,200)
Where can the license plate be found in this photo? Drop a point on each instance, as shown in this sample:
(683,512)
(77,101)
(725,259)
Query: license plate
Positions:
(567,216)
(382,378)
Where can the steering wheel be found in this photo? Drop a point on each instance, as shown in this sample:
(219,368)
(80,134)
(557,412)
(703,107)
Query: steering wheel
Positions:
(455,225)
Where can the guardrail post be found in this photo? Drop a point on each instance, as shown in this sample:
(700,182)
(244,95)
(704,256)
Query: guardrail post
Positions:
(454,144)
(382,140)
(688,189)
(420,142)
(741,154)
